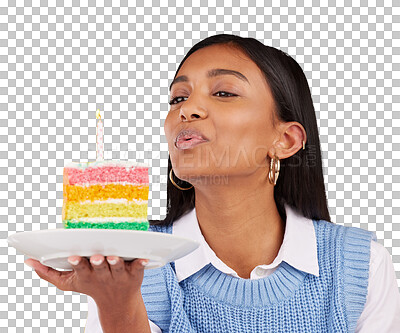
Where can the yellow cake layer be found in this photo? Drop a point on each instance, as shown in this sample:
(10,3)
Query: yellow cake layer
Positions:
(74,210)
(103,192)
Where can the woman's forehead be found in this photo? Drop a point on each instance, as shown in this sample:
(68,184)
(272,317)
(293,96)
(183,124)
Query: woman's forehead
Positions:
(220,57)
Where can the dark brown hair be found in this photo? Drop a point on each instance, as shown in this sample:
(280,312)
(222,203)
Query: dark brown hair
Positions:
(301,182)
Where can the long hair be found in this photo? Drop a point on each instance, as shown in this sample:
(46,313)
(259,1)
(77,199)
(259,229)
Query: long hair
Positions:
(301,182)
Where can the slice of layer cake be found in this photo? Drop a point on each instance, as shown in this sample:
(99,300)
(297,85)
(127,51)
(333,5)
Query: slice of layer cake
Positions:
(106,195)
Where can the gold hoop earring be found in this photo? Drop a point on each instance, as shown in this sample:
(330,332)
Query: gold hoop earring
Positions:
(276,166)
(175,184)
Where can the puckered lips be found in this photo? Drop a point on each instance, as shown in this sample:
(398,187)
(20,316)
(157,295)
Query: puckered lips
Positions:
(188,138)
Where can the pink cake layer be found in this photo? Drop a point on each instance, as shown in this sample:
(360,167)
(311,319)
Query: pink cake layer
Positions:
(107,174)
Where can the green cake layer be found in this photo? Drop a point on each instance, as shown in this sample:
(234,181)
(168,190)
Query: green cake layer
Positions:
(68,224)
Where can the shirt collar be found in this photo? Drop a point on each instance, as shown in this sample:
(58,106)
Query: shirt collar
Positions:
(299,247)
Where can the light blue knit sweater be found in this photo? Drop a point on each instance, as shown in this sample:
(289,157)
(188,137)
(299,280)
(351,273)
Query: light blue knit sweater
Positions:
(288,300)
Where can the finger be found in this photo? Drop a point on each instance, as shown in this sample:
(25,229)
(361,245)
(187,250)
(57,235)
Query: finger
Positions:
(80,265)
(100,267)
(35,264)
(57,278)
(137,265)
(117,266)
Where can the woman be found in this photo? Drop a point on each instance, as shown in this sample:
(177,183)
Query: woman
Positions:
(245,179)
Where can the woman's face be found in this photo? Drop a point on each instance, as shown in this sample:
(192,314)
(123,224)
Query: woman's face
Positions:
(221,93)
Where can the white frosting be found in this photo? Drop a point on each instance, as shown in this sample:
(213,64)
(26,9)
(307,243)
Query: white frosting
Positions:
(113,163)
(120,200)
(106,219)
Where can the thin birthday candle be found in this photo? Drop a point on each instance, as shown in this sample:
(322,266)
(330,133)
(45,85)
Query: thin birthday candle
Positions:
(99,137)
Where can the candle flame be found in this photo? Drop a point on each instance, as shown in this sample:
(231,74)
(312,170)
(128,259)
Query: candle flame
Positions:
(98,114)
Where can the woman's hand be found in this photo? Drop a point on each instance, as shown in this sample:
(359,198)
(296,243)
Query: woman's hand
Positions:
(107,280)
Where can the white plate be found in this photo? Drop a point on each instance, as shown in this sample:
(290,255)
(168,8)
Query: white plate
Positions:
(53,247)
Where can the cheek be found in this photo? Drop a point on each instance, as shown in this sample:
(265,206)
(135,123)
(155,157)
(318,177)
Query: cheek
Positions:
(253,129)
(244,140)
(168,126)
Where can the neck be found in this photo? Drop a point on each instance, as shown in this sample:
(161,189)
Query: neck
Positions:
(240,222)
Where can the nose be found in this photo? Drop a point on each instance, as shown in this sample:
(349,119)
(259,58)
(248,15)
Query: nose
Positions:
(190,111)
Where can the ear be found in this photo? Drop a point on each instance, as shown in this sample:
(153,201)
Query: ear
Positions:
(290,140)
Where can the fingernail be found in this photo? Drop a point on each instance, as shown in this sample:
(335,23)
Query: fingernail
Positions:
(112,261)
(28,264)
(96,262)
(145,262)
(73,262)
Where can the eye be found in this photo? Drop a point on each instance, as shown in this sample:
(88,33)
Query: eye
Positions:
(178,99)
(225,94)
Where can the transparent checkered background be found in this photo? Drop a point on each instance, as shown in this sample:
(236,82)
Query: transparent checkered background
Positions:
(61,60)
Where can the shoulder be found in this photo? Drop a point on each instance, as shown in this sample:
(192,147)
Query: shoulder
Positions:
(325,230)
(351,246)
(379,253)
(344,255)
(381,260)
(378,315)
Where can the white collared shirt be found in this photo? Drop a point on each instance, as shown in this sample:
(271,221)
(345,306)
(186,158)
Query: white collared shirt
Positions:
(299,249)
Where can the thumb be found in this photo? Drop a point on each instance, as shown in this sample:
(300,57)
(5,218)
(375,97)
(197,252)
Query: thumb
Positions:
(49,274)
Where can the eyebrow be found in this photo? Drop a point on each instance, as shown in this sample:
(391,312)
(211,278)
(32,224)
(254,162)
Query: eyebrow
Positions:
(212,73)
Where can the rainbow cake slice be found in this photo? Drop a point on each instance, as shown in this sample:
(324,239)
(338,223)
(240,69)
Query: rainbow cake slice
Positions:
(106,195)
